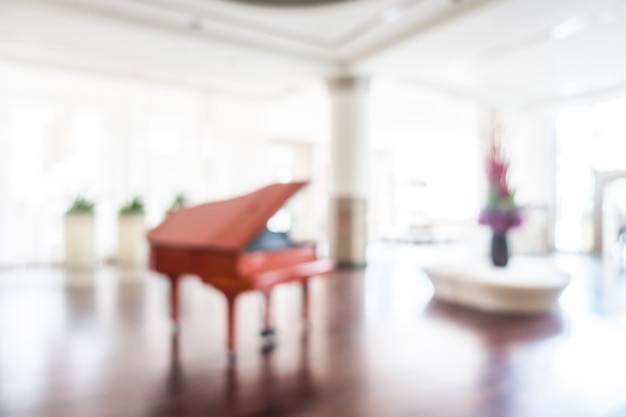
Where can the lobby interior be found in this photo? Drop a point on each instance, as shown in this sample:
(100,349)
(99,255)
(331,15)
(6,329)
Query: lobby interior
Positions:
(387,108)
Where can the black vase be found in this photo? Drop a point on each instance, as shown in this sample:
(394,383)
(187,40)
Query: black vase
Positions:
(499,250)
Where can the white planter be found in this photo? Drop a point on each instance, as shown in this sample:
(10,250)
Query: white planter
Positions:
(132,246)
(79,231)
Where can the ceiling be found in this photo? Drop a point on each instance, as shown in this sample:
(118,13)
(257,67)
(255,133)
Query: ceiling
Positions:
(534,52)
(521,51)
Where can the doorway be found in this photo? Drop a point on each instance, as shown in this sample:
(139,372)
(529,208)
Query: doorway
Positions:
(590,144)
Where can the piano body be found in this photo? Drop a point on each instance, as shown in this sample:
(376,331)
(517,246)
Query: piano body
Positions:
(226,244)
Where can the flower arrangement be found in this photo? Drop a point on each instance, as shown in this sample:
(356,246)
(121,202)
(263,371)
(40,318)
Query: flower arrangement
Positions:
(501,212)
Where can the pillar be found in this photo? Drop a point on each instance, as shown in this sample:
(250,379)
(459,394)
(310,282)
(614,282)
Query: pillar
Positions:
(349,166)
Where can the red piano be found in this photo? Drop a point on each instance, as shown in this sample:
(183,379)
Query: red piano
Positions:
(227,245)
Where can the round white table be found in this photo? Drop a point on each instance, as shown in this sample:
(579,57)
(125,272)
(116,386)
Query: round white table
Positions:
(525,286)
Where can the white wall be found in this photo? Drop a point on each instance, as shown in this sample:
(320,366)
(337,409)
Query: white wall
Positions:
(528,137)
(427,157)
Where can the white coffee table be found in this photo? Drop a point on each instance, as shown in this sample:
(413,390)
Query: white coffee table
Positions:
(525,286)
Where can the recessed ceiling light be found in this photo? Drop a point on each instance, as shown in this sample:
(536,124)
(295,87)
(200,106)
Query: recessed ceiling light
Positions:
(569,28)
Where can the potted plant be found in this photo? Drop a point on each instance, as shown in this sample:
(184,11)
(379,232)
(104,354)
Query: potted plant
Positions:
(180,201)
(79,233)
(131,234)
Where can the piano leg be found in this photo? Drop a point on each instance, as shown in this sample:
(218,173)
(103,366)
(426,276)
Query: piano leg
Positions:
(231,339)
(305,301)
(268,329)
(174,299)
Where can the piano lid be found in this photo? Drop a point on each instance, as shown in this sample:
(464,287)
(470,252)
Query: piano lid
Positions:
(228,224)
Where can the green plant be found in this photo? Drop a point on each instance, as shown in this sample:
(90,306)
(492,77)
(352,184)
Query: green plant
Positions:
(81,205)
(180,200)
(134,206)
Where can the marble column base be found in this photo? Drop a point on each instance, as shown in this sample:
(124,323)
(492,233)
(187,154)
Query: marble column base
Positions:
(348,217)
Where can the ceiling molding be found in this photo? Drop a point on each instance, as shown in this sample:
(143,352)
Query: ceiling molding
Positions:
(191,29)
(367,30)
(460,8)
(366,38)
(200,12)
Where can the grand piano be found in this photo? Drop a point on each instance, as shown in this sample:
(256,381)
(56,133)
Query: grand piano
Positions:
(227,245)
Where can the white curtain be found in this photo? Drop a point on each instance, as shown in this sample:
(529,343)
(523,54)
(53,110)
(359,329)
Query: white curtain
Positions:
(66,133)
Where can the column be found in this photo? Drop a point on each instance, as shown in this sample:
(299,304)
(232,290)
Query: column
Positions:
(349,166)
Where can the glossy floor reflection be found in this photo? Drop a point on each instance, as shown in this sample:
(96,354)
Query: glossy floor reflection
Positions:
(101,345)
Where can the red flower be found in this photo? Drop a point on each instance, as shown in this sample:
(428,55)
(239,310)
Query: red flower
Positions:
(501,212)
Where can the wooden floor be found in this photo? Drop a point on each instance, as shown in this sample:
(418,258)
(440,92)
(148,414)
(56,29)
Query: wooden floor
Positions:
(101,345)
